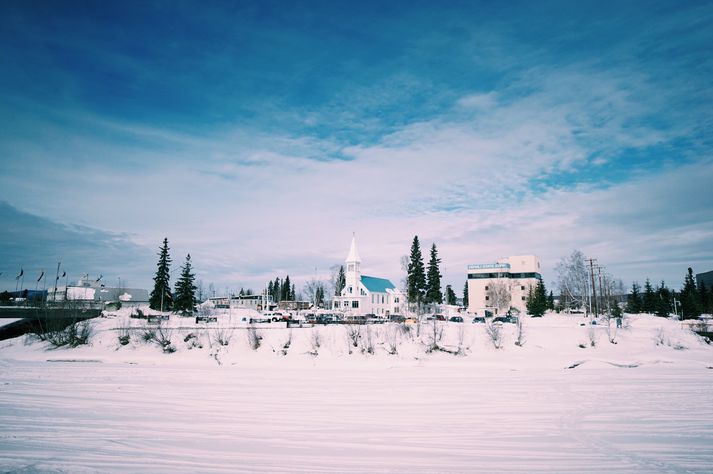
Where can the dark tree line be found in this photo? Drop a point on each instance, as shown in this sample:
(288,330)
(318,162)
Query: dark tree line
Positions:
(281,290)
(692,301)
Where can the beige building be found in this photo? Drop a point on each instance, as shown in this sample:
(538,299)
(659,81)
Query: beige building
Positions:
(498,286)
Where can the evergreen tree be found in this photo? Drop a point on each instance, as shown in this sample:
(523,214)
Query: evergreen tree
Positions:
(551,301)
(616,310)
(648,302)
(465,295)
(270,291)
(633,300)
(277,290)
(416,278)
(537,300)
(663,304)
(285,290)
(704,298)
(690,301)
(341,281)
(433,284)
(451,298)
(293,293)
(185,292)
(161,298)
(319,295)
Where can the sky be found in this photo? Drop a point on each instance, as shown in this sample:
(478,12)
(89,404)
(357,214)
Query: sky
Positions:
(260,136)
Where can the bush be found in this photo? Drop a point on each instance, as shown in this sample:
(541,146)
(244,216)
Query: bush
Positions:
(60,334)
(254,338)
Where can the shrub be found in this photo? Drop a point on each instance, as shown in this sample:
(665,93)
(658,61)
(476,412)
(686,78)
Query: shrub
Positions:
(254,338)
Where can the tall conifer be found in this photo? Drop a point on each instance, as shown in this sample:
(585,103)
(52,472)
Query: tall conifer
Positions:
(416,274)
(433,285)
(161,298)
(185,292)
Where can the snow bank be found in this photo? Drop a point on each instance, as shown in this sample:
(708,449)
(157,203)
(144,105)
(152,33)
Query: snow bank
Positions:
(552,342)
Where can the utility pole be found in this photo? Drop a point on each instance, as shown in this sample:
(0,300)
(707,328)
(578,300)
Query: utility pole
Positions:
(593,304)
(600,302)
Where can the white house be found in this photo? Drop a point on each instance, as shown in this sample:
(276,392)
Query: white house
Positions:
(366,294)
(505,283)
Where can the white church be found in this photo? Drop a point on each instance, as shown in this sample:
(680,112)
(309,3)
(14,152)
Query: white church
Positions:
(366,294)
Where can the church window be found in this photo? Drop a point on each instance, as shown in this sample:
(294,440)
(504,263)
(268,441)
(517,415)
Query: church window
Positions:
(355,304)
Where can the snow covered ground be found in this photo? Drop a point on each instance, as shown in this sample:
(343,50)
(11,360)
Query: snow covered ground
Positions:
(644,404)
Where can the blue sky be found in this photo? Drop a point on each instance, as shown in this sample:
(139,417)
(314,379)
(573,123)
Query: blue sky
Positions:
(258,136)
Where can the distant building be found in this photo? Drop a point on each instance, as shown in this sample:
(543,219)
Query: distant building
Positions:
(507,280)
(256,302)
(92,291)
(366,294)
(706,278)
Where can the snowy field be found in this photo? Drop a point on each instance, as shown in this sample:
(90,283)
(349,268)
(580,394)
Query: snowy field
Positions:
(644,404)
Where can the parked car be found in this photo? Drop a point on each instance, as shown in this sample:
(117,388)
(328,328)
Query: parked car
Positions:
(410,321)
(479,319)
(397,318)
(502,319)
(439,317)
(456,319)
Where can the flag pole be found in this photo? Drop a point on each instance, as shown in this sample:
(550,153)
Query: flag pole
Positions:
(56,278)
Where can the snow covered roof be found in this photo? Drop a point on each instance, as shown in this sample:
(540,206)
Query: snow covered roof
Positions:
(376,285)
(353,254)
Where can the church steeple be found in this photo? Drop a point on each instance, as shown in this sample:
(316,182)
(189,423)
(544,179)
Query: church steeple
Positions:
(353,273)
(353,256)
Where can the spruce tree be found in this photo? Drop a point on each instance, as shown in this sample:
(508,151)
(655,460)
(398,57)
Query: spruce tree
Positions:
(341,281)
(690,302)
(293,293)
(270,291)
(465,295)
(277,289)
(537,300)
(416,287)
(633,300)
(648,302)
(433,285)
(451,298)
(185,292)
(285,290)
(551,301)
(663,303)
(704,297)
(161,298)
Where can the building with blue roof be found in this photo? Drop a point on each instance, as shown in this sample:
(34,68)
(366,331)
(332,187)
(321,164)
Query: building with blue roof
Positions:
(364,294)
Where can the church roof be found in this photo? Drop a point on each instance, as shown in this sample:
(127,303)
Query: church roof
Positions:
(353,254)
(376,285)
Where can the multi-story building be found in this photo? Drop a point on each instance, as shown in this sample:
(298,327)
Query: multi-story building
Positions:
(365,294)
(496,287)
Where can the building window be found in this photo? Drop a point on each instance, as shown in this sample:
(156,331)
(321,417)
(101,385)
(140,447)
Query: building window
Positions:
(350,290)
(487,298)
(355,304)
(396,300)
(522,288)
(523,298)
(486,288)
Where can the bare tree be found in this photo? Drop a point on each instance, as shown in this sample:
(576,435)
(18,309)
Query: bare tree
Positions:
(315,290)
(353,335)
(573,280)
(495,334)
(315,341)
(520,332)
(499,294)
(435,335)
